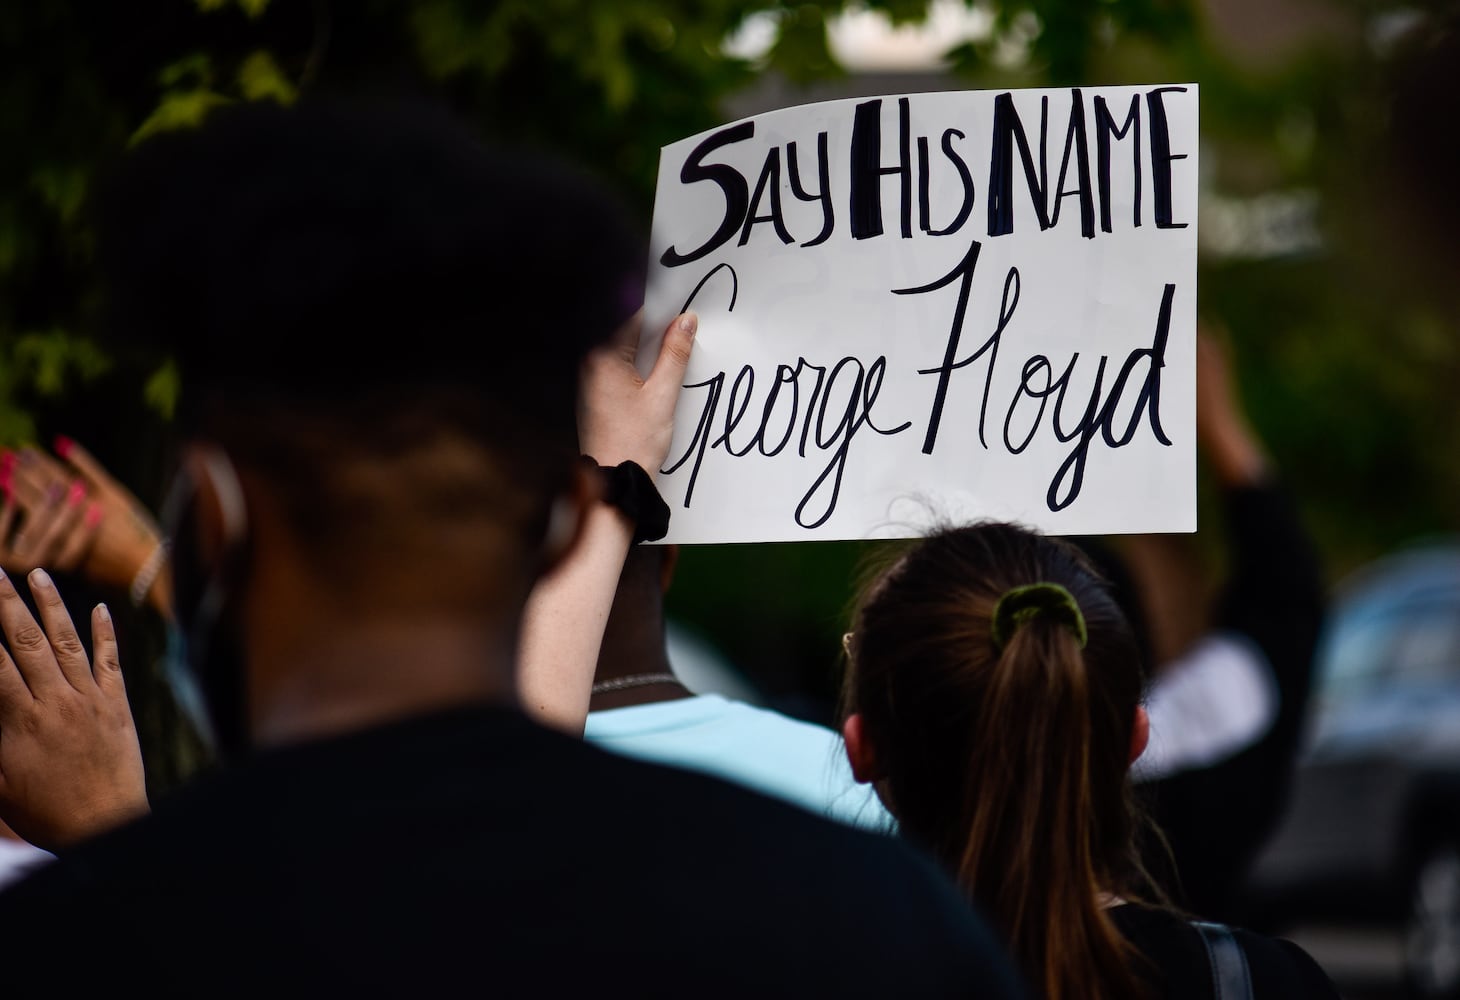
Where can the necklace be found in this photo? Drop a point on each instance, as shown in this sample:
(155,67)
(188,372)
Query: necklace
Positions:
(633,681)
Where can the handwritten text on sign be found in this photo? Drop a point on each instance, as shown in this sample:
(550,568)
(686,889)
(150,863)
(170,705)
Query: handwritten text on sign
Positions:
(955,305)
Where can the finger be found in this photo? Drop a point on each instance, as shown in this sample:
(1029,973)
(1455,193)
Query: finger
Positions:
(66,647)
(625,340)
(78,543)
(7,483)
(40,523)
(8,510)
(668,373)
(30,650)
(105,657)
(41,467)
(52,537)
(15,697)
(33,479)
(95,473)
(83,462)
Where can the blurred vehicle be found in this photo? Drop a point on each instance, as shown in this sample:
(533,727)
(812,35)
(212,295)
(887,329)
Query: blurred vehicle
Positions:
(1372,830)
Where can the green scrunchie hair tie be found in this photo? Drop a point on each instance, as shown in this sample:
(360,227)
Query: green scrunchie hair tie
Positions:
(1023,604)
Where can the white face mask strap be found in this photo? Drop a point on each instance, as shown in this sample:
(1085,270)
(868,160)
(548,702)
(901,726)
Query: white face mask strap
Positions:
(226,487)
(229,491)
(220,471)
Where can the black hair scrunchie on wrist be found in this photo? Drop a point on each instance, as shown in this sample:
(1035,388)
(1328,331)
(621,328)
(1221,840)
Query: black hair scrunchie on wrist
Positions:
(629,488)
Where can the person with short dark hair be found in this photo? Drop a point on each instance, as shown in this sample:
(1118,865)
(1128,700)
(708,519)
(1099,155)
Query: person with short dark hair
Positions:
(379,321)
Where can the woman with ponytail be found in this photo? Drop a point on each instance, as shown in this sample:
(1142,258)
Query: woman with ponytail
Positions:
(993,698)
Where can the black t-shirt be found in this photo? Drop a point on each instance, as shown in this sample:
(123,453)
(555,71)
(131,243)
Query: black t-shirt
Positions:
(473,852)
(1177,967)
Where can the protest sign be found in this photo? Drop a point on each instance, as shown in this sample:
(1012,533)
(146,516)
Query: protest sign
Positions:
(933,307)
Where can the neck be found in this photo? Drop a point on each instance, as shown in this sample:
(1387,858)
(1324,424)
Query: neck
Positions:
(366,673)
(620,661)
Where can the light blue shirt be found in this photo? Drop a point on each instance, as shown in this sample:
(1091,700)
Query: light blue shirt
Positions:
(762,750)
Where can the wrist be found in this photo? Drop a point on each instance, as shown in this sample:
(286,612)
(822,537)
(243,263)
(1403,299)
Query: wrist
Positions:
(629,489)
(103,816)
(149,572)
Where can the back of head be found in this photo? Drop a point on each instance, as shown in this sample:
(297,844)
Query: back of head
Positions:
(1004,746)
(349,286)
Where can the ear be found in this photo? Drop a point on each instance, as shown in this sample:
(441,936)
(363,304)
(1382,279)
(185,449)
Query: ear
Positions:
(859,751)
(1140,734)
(668,562)
(567,515)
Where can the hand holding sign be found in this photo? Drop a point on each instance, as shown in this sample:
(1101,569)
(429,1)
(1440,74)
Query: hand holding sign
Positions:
(980,303)
(625,418)
(621,417)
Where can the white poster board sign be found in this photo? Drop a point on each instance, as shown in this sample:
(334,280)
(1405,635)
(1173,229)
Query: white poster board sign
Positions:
(933,307)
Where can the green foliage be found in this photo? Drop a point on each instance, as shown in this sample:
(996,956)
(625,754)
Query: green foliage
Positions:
(1347,356)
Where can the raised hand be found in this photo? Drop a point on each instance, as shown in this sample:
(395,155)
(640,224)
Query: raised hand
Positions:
(73,515)
(623,417)
(1225,437)
(70,765)
(47,518)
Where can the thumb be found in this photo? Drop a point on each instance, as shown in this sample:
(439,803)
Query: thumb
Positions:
(674,352)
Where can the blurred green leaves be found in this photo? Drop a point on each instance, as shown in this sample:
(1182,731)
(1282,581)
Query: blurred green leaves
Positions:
(609,83)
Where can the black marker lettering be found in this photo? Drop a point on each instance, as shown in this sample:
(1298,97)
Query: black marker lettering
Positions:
(733,414)
(1104,130)
(823,167)
(966,208)
(1074,464)
(1075,138)
(857,414)
(867,170)
(701,437)
(1161,157)
(964,272)
(1034,366)
(769,180)
(737,196)
(1149,398)
(1009,131)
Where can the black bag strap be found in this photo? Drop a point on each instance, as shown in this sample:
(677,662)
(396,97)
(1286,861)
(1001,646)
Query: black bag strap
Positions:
(1231,979)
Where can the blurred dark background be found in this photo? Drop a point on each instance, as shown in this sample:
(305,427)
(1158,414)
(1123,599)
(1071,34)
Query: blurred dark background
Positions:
(1327,221)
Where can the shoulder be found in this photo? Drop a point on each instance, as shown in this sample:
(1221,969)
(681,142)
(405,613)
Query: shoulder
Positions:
(630,865)
(1282,969)
(1177,960)
(761,749)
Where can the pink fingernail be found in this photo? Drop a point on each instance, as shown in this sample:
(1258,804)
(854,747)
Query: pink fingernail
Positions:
(75,494)
(54,492)
(103,612)
(39,578)
(63,446)
(93,515)
(7,460)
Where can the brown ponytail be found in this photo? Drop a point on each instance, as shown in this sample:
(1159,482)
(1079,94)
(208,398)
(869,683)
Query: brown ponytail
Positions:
(1008,755)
